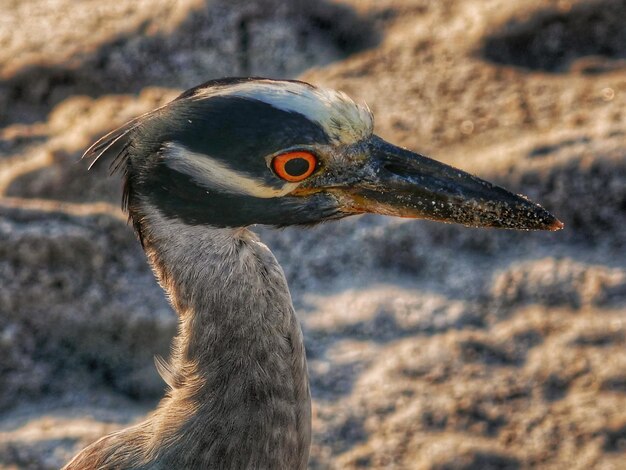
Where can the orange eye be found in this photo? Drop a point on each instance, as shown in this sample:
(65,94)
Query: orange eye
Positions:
(294,166)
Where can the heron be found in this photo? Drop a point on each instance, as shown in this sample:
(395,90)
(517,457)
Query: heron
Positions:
(198,172)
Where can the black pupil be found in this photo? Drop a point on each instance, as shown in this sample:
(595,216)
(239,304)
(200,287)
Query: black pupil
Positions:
(297,166)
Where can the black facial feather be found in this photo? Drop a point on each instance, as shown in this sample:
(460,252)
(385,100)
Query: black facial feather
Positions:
(239,133)
(178,197)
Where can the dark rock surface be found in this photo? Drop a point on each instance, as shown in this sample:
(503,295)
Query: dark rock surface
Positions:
(71,317)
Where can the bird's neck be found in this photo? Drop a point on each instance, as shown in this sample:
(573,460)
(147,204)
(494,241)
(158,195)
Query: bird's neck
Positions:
(238,369)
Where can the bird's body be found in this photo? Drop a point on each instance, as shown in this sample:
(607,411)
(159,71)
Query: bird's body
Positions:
(221,157)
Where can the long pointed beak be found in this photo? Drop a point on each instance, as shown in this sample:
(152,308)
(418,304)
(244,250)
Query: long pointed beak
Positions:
(396,181)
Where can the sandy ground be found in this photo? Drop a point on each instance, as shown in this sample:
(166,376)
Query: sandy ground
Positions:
(430,346)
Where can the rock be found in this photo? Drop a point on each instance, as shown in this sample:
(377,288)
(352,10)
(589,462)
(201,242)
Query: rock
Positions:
(70,314)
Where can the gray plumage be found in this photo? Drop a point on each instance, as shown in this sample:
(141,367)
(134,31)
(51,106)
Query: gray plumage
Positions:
(239,394)
(225,155)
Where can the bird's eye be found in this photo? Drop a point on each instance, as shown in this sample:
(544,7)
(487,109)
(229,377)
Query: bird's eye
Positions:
(294,166)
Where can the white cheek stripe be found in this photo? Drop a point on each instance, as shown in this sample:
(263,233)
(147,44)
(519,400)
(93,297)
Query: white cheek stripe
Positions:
(216,176)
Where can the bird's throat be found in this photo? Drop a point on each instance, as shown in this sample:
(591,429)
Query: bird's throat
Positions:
(237,374)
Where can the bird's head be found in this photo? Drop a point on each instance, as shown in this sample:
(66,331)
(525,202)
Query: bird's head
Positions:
(237,152)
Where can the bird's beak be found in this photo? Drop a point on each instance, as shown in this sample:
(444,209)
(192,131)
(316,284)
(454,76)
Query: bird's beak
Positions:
(396,181)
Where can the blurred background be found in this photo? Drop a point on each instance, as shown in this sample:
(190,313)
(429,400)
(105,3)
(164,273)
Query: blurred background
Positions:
(430,346)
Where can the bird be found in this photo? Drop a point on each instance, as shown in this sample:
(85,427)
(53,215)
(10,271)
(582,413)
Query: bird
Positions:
(198,173)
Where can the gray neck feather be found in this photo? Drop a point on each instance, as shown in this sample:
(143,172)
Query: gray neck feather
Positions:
(239,393)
